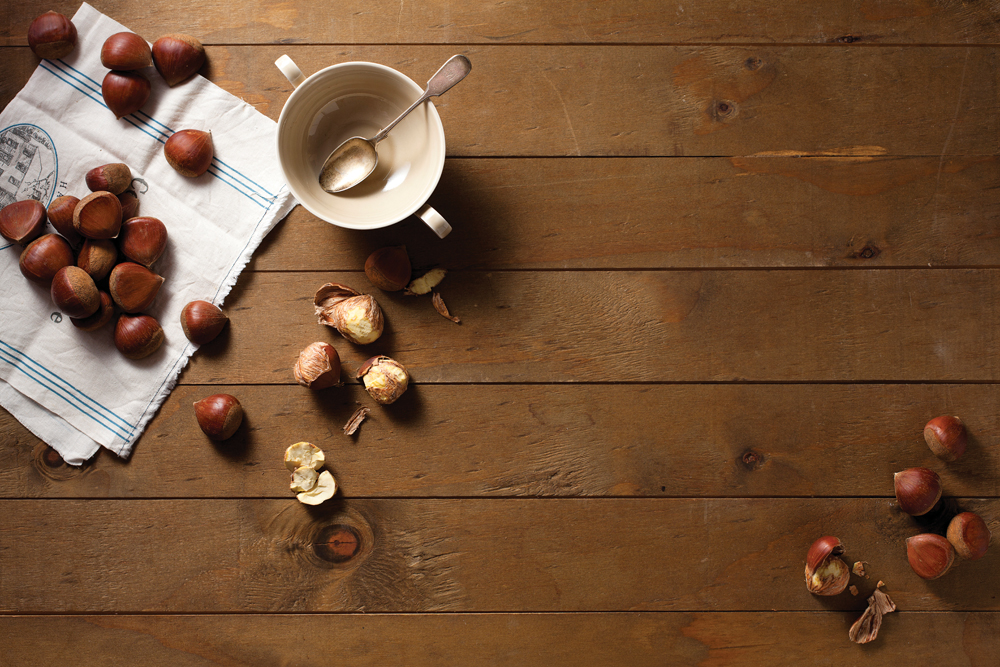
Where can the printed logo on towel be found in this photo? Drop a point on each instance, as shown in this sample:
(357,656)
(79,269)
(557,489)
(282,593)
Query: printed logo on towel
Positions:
(28,164)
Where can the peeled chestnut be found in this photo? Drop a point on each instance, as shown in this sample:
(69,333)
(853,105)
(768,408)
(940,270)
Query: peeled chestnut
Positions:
(125,92)
(930,555)
(385,379)
(97,257)
(389,268)
(177,57)
(143,240)
(125,51)
(133,287)
(202,321)
(115,178)
(945,435)
(98,216)
(22,221)
(318,366)
(189,152)
(219,416)
(138,336)
(74,292)
(44,257)
(52,36)
(60,213)
(356,316)
(917,490)
(103,315)
(970,535)
(826,574)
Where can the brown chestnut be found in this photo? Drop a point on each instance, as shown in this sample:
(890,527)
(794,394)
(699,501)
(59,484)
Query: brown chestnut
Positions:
(103,315)
(826,573)
(97,257)
(98,216)
(133,287)
(189,152)
(138,336)
(389,268)
(219,415)
(318,366)
(130,204)
(970,535)
(52,36)
(202,321)
(946,437)
(177,57)
(125,92)
(22,221)
(60,213)
(930,555)
(44,257)
(74,292)
(125,51)
(917,490)
(115,178)
(143,240)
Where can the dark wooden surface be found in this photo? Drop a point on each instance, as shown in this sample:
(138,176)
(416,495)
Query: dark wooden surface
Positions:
(716,263)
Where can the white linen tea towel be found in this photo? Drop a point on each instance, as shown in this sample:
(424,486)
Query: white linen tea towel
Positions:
(72,388)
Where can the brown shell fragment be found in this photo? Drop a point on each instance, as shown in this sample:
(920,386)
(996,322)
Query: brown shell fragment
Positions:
(354,423)
(866,628)
(440,306)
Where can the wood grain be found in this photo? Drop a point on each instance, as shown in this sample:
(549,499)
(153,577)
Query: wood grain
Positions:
(644,326)
(561,21)
(670,101)
(575,440)
(680,213)
(509,555)
(638,639)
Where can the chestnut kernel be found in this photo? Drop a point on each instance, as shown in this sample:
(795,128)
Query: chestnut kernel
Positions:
(103,315)
(44,257)
(74,292)
(177,57)
(930,555)
(115,178)
(125,51)
(219,416)
(389,268)
(356,316)
(946,437)
(133,287)
(22,221)
(826,573)
(60,214)
(189,152)
(125,92)
(143,240)
(385,379)
(202,321)
(52,36)
(138,336)
(917,490)
(318,366)
(98,216)
(969,535)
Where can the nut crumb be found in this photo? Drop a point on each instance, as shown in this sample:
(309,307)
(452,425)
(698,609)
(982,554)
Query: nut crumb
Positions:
(440,306)
(859,569)
(854,590)
(426,282)
(352,425)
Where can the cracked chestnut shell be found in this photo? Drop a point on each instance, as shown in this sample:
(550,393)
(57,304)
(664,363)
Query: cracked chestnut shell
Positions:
(318,366)
(356,316)
(826,573)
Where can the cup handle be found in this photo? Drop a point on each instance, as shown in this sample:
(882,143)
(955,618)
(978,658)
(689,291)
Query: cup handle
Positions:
(435,221)
(290,70)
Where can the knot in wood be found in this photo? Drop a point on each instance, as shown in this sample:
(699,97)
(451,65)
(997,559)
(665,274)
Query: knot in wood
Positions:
(338,543)
(848,39)
(752,460)
(724,109)
(753,63)
(51,458)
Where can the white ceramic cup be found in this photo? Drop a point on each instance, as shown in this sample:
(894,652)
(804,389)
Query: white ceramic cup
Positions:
(357,99)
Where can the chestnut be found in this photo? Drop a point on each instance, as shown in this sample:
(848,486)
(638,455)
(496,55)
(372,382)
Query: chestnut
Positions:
(970,535)
(115,178)
(138,336)
(98,216)
(917,490)
(946,437)
(125,92)
(126,51)
(74,292)
(930,555)
(389,268)
(826,574)
(60,214)
(177,57)
(356,316)
(97,257)
(22,221)
(143,240)
(219,416)
(44,257)
(103,315)
(202,321)
(133,287)
(385,379)
(318,366)
(52,36)
(189,152)
(130,204)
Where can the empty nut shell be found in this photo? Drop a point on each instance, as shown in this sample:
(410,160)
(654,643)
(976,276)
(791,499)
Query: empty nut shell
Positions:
(115,178)
(318,366)
(384,379)
(389,268)
(98,216)
(970,535)
(177,57)
(202,321)
(126,51)
(133,287)
(930,555)
(103,315)
(219,416)
(138,336)
(61,216)
(97,257)
(125,92)
(74,292)
(189,152)
(44,257)
(22,221)
(52,36)
(143,240)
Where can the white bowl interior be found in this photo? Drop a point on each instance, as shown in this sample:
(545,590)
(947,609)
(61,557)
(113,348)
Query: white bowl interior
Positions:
(359,99)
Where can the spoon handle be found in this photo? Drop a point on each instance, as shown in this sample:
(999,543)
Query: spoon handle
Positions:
(450,73)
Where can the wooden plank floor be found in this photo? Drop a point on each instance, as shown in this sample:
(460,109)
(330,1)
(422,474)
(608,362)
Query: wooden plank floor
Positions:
(716,263)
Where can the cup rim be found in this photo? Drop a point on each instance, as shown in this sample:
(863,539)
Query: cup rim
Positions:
(432,113)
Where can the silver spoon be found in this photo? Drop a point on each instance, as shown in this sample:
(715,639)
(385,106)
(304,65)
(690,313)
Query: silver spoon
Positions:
(352,161)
